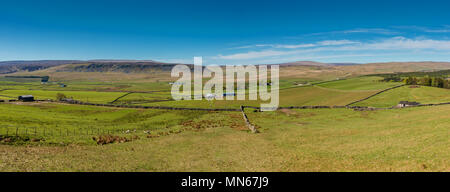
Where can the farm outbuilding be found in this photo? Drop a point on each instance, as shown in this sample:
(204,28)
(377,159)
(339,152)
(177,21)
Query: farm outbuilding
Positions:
(26,98)
(229,94)
(407,103)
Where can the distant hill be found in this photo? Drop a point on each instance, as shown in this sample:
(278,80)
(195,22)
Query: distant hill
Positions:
(19,66)
(118,66)
(313,63)
(127,66)
(294,69)
(120,61)
(393,67)
(39,62)
(331,71)
(344,64)
(305,63)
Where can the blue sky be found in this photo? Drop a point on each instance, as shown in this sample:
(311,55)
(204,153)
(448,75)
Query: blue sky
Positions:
(226,32)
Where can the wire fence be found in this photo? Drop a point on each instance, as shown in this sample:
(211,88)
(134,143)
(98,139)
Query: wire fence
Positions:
(45,131)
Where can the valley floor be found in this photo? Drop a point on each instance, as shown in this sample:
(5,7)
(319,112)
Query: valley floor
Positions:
(50,136)
(413,139)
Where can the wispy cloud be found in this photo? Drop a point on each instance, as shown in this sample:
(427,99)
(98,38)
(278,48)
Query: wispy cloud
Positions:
(336,42)
(296,46)
(390,44)
(275,46)
(442,29)
(380,31)
(401,43)
(254,54)
(312,57)
(189,60)
(445,29)
(373,30)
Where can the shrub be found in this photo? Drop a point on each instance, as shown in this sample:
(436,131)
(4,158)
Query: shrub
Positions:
(60,96)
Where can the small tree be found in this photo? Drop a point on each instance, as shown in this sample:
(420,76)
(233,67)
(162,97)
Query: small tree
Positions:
(447,84)
(60,96)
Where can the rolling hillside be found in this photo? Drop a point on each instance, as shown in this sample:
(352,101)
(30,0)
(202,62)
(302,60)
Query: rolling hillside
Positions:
(422,94)
(137,66)
(126,66)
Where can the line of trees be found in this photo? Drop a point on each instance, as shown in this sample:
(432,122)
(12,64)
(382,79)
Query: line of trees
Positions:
(433,78)
(441,73)
(428,81)
(43,78)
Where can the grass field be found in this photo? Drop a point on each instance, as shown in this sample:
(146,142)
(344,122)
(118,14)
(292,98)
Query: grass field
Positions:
(140,98)
(423,94)
(5,98)
(295,96)
(59,123)
(410,139)
(85,85)
(414,139)
(359,83)
(87,96)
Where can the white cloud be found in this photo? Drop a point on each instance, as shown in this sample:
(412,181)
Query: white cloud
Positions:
(394,44)
(373,30)
(296,46)
(401,43)
(438,30)
(360,30)
(184,61)
(443,29)
(293,46)
(312,57)
(336,42)
(253,54)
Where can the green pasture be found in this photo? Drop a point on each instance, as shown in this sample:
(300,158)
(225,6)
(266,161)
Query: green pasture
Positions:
(296,96)
(413,139)
(140,98)
(360,83)
(6,98)
(408,139)
(86,96)
(77,124)
(125,86)
(422,94)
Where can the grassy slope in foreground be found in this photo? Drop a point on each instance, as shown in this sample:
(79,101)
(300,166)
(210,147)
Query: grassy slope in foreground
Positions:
(422,94)
(414,139)
(59,123)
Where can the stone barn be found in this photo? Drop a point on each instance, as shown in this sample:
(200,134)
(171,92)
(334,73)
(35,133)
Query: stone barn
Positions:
(407,104)
(26,98)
